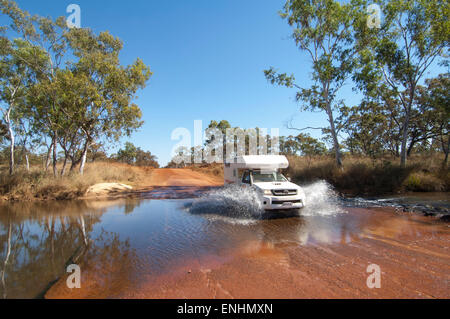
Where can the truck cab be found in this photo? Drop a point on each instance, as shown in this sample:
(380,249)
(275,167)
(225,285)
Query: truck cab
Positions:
(262,172)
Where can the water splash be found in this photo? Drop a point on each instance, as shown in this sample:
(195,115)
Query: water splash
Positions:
(321,199)
(242,202)
(238,201)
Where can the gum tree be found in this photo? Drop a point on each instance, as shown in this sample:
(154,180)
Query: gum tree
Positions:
(395,57)
(18,65)
(323,30)
(44,37)
(105,108)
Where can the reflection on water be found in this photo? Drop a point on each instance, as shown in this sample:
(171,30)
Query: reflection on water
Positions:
(38,241)
(117,243)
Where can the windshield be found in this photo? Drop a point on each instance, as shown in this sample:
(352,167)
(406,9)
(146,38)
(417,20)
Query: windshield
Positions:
(262,177)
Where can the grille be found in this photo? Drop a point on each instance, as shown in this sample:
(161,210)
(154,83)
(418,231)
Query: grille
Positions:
(284,192)
(280,202)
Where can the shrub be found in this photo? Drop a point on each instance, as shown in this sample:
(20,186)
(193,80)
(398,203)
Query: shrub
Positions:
(364,176)
(423,182)
(38,184)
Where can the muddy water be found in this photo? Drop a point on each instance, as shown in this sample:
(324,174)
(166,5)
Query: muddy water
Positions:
(215,243)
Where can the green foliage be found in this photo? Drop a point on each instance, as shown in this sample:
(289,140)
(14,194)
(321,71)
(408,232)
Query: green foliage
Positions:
(322,29)
(65,86)
(302,144)
(133,155)
(394,58)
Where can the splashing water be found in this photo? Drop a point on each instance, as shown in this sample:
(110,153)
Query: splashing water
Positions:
(244,202)
(233,200)
(321,199)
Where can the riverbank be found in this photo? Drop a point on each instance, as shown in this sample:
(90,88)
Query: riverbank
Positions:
(358,177)
(362,176)
(101,179)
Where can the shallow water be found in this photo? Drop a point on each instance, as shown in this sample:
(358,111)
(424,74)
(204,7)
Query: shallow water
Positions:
(124,245)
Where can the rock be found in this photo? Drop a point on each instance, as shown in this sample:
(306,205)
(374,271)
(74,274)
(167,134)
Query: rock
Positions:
(106,188)
(445,218)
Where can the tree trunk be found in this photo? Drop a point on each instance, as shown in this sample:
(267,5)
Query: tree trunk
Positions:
(446,151)
(337,150)
(49,156)
(410,148)
(83,159)
(63,169)
(11,149)
(27,162)
(73,164)
(403,151)
(55,171)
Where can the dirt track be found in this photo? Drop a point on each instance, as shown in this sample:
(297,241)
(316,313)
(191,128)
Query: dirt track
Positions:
(159,179)
(182,177)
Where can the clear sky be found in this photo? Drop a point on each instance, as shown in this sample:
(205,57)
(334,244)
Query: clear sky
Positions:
(208,58)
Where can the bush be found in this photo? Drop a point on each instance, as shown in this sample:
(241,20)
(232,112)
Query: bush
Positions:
(364,176)
(423,182)
(38,184)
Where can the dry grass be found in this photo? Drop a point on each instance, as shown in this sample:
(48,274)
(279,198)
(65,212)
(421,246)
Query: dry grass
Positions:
(39,185)
(425,182)
(359,176)
(208,169)
(363,176)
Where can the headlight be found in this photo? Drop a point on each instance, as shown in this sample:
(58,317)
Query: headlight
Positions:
(267,192)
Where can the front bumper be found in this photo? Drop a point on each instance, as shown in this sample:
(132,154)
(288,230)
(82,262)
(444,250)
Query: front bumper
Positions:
(283,202)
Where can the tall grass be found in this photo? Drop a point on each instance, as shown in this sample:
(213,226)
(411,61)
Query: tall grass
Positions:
(213,169)
(364,176)
(37,184)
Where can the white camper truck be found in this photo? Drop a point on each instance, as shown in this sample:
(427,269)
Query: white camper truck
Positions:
(262,173)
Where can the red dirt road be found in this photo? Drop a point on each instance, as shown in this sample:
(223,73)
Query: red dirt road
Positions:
(182,177)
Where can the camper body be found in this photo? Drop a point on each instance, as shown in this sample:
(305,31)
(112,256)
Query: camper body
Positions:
(262,173)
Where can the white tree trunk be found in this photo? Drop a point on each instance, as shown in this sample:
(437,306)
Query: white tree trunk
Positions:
(403,151)
(27,162)
(11,145)
(49,157)
(83,160)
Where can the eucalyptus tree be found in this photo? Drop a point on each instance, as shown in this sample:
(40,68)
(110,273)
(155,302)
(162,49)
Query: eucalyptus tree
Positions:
(368,129)
(105,108)
(412,36)
(434,102)
(323,30)
(46,41)
(18,65)
(128,154)
(221,126)
(80,92)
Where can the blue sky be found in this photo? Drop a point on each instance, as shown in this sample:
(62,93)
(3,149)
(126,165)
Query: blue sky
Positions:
(208,58)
